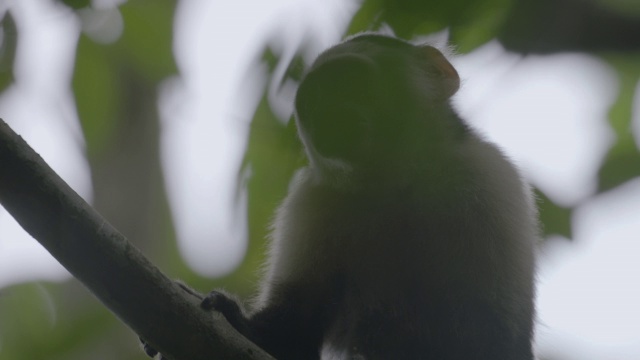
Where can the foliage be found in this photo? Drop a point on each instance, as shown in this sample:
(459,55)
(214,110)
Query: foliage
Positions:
(116,90)
(623,160)
(8,44)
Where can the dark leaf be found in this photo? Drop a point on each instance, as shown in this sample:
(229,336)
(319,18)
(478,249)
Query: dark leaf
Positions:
(8,43)
(622,162)
(76,4)
(555,219)
(545,26)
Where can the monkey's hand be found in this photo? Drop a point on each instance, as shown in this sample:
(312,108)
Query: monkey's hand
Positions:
(230,307)
(216,300)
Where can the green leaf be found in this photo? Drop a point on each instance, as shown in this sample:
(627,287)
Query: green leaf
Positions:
(60,321)
(555,219)
(24,310)
(550,26)
(8,43)
(471,23)
(95,85)
(76,4)
(148,35)
(622,162)
(623,7)
(366,18)
(481,24)
(145,48)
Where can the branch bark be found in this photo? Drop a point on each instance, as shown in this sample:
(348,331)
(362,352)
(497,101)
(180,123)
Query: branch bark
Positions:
(167,317)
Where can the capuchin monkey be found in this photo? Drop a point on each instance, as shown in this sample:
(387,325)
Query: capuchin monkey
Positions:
(408,236)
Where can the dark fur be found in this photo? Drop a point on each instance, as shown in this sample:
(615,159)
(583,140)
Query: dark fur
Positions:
(408,236)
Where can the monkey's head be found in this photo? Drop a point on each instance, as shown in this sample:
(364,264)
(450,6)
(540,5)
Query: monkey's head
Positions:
(373,104)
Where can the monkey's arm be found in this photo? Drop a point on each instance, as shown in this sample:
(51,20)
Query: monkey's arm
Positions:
(290,326)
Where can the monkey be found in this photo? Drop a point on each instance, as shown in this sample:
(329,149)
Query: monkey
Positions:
(407,235)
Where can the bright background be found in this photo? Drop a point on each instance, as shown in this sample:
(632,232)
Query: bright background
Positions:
(547,112)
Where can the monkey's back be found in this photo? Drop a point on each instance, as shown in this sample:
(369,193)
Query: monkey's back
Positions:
(440,269)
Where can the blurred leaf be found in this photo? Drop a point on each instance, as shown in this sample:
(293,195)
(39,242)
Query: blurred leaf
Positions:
(144,48)
(95,86)
(8,44)
(483,21)
(270,59)
(367,17)
(544,26)
(59,322)
(627,7)
(622,162)
(471,23)
(619,167)
(22,310)
(296,69)
(555,219)
(148,35)
(76,4)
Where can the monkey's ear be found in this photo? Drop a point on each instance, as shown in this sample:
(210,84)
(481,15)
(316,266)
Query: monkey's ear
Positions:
(446,71)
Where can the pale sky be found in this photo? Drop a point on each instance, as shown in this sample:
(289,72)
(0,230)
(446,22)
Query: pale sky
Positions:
(547,113)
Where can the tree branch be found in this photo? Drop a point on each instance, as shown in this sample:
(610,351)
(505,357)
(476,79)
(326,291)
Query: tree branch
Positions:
(167,317)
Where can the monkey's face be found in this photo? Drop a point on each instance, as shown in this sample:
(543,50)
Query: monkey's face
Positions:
(367,101)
